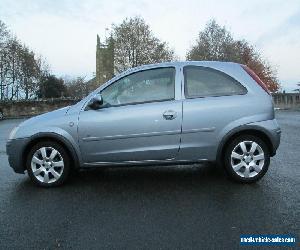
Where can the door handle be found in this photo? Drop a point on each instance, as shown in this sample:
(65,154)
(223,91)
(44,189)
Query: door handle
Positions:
(169,115)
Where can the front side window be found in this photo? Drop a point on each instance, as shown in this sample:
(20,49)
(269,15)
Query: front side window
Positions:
(204,82)
(144,86)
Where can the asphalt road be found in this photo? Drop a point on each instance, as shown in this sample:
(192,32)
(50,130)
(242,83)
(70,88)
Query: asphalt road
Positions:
(182,207)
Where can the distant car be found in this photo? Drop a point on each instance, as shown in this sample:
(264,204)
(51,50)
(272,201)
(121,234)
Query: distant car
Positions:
(170,113)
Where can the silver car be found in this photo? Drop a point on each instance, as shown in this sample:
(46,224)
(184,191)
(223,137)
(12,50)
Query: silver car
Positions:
(169,113)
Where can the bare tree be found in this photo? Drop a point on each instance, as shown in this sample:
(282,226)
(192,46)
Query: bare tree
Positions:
(135,44)
(21,70)
(217,43)
(4,35)
(29,72)
(77,88)
(14,72)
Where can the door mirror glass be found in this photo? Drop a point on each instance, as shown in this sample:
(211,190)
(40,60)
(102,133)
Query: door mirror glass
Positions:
(96,102)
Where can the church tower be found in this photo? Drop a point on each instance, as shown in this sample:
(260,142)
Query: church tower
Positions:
(104,60)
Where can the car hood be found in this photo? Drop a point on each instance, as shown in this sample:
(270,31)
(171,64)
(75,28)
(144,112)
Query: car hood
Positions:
(46,117)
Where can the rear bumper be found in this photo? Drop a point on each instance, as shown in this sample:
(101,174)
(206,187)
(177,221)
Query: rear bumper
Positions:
(14,150)
(276,135)
(273,131)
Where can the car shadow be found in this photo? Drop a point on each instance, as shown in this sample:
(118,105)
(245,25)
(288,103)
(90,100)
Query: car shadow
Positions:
(145,175)
(114,180)
(148,175)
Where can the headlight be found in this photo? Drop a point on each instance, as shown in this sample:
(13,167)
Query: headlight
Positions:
(13,133)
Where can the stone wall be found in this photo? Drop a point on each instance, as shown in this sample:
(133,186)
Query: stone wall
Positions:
(24,108)
(34,107)
(287,100)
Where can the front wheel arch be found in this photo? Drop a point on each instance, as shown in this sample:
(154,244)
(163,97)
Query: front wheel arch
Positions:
(55,138)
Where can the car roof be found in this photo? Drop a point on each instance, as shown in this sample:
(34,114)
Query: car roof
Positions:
(212,64)
(223,66)
(181,63)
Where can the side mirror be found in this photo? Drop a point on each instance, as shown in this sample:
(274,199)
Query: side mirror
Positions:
(96,102)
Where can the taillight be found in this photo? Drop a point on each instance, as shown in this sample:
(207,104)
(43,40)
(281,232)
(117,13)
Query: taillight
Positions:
(256,78)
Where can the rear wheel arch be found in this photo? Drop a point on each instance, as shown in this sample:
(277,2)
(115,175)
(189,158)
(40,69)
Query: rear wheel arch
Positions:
(55,138)
(246,131)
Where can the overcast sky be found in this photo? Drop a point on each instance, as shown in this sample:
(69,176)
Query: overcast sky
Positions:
(64,31)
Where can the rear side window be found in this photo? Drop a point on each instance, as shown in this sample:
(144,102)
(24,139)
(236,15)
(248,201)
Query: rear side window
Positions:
(203,82)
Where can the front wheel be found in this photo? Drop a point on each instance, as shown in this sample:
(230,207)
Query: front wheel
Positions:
(48,164)
(247,159)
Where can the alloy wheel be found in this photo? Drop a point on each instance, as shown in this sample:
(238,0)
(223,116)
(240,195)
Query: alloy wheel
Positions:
(47,165)
(247,159)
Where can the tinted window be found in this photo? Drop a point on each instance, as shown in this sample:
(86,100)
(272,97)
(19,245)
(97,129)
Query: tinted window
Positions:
(203,81)
(145,86)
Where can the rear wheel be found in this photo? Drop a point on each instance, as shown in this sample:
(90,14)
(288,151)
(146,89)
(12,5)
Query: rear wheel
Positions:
(247,159)
(48,164)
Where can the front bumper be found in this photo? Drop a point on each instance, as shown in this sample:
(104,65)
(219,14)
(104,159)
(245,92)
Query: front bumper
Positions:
(15,149)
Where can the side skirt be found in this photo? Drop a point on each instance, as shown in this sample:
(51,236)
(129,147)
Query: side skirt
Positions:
(143,163)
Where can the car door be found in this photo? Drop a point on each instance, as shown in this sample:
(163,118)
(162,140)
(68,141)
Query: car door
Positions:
(140,120)
(212,100)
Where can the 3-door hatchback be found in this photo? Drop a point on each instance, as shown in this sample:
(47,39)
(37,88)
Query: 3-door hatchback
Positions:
(170,113)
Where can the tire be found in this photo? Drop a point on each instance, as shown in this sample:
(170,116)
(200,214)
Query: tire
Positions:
(247,159)
(48,164)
